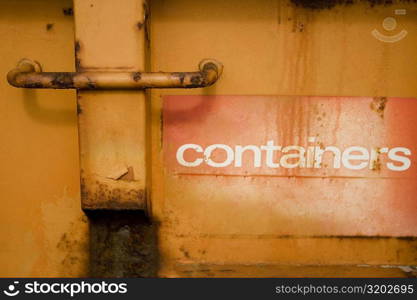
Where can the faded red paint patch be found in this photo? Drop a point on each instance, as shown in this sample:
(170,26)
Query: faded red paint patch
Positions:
(351,156)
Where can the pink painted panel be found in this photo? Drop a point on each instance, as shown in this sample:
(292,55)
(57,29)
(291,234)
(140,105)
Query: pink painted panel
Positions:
(331,165)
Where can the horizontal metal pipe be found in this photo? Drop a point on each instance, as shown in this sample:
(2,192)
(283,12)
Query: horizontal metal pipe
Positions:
(28,74)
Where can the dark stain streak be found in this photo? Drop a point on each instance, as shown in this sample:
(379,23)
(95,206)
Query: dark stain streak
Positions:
(146,24)
(62,80)
(329,4)
(49,26)
(77,47)
(196,80)
(362,237)
(72,249)
(209,66)
(340,237)
(185,252)
(139,25)
(78,64)
(180,75)
(122,244)
(68,11)
(33,85)
(91,85)
(161,125)
(79,109)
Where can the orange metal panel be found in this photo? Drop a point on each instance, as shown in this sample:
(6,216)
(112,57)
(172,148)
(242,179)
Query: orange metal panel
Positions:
(271,47)
(43,231)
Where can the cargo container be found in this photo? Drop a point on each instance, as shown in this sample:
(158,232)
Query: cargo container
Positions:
(162,138)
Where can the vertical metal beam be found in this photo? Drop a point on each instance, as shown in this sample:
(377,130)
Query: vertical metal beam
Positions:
(109,37)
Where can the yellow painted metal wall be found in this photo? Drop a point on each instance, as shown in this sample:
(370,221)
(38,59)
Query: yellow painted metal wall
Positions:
(43,231)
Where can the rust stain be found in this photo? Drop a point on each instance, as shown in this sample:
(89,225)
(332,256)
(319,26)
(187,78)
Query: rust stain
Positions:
(196,81)
(378,105)
(139,25)
(136,76)
(376,163)
(77,49)
(20,77)
(122,244)
(161,125)
(68,11)
(79,109)
(78,63)
(62,80)
(73,249)
(105,196)
(180,76)
(185,252)
(411,239)
(146,23)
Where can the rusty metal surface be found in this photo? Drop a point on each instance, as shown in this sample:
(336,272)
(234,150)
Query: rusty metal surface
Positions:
(122,244)
(291,50)
(104,194)
(29,74)
(209,226)
(112,129)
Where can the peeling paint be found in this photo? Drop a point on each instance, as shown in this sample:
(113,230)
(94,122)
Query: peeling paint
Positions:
(112,194)
(378,105)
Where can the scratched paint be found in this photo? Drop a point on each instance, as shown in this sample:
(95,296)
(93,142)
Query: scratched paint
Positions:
(308,165)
